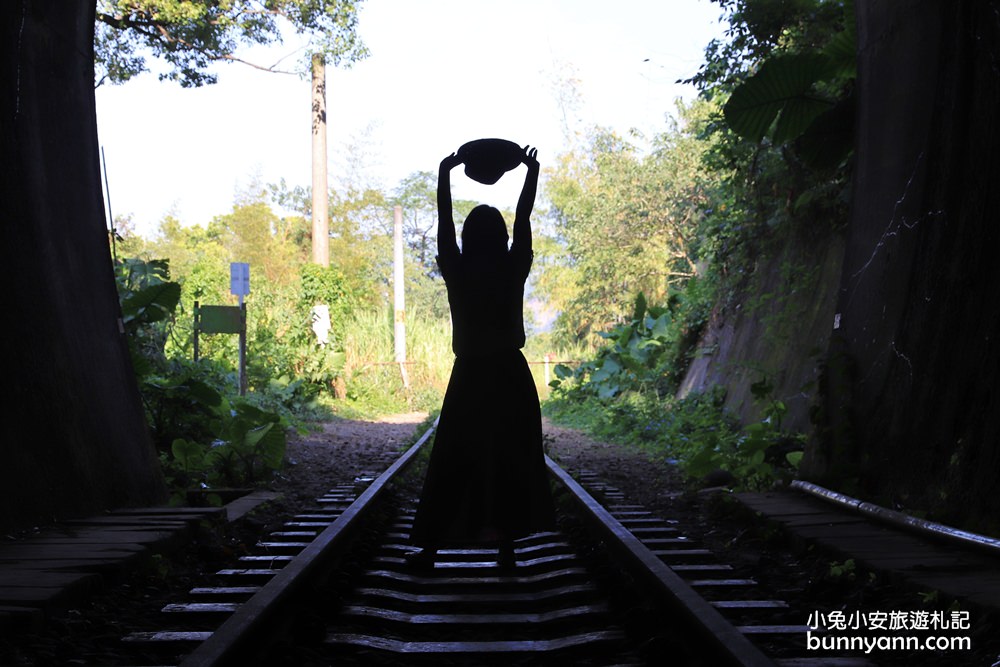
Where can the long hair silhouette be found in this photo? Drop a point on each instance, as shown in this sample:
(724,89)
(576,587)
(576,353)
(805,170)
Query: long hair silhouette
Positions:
(484,233)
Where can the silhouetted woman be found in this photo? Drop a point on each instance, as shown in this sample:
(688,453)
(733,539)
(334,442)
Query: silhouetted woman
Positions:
(486,479)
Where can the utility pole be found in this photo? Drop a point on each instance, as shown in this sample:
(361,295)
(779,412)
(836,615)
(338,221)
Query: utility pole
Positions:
(320,217)
(399,302)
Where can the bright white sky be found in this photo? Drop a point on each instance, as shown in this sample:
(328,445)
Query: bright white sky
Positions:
(441,72)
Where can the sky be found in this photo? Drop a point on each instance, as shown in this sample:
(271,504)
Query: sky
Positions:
(440,73)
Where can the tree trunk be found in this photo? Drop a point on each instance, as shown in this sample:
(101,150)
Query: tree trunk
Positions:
(320,218)
(75,439)
(911,405)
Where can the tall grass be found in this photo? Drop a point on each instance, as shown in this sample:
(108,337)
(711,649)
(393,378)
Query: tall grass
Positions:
(375,382)
(538,346)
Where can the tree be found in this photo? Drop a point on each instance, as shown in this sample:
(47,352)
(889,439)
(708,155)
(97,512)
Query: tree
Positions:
(416,195)
(629,223)
(360,246)
(190,35)
(76,439)
(253,233)
(783,80)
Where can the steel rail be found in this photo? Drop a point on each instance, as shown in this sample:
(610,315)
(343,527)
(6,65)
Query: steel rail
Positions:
(231,642)
(237,633)
(902,520)
(732,645)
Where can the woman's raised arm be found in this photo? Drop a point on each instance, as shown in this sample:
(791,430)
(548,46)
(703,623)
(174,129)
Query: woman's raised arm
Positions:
(447,241)
(522,214)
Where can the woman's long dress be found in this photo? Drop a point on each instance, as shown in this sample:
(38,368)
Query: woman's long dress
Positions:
(486,478)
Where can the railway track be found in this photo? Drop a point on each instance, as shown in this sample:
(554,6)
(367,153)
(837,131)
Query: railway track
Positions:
(615,586)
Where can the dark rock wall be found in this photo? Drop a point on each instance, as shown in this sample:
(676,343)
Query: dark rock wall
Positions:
(777,330)
(906,396)
(912,411)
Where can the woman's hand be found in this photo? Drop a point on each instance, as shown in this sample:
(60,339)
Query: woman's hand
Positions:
(530,157)
(451,162)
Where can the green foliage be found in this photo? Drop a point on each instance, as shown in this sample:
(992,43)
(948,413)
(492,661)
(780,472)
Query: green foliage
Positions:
(676,430)
(281,339)
(417,196)
(148,298)
(288,370)
(841,570)
(204,438)
(756,29)
(190,35)
(249,446)
(784,76)
(761,455)
(782,89)
(626,394)
(251,442)
(374,383)
(326,285)
(182,398)
(693,432)
(624,223)
(759,163)
(809,93)
(253,233)
(648,353)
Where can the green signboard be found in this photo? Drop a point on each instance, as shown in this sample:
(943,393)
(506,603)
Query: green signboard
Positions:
(219,319)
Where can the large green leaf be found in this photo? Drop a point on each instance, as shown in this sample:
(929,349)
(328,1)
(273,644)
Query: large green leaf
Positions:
(842,47)
(607,390)
(634,363)
(782,85)
(271,447)
(189,455)
(639,308)
(797,115)
(152,303)
(563,371)
(661,327)
(794,458)
(255,435)
(841,50)
(609,367)
(203,393)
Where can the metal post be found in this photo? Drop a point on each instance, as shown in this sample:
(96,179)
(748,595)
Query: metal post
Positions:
(243,348)
(399,305)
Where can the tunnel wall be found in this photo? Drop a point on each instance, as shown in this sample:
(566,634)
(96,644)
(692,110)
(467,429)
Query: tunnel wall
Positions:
(74,436)
(911,408)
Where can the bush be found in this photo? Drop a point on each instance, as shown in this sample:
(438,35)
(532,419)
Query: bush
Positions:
(248,447)
(204,438)
(626,395)
(647,354)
